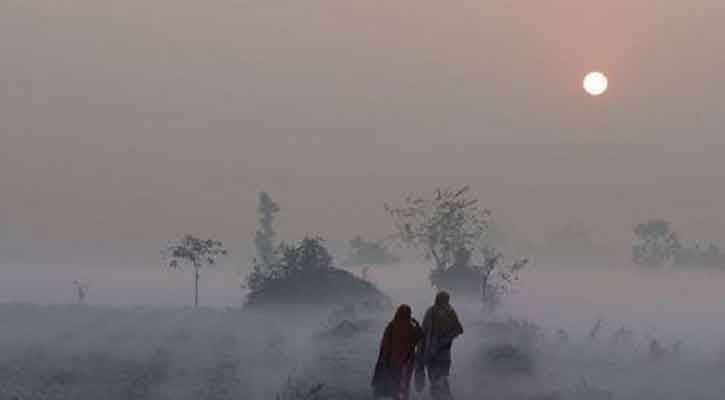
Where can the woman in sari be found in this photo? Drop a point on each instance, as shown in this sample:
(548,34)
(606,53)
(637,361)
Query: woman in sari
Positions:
(396,360)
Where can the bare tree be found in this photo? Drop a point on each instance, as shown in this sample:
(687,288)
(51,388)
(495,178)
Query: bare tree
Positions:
(196,252)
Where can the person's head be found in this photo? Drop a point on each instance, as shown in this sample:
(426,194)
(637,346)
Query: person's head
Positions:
(403,313)
(443,299)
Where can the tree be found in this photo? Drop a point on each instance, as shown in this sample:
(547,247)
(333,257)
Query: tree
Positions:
(699,255)
(497,277)
(310,254)
(655,243)
(264,237)
(195,252)
(365,252)
(452,230)
(443,226)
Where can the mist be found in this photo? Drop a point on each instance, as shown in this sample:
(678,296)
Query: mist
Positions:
(127,127)
(134,338)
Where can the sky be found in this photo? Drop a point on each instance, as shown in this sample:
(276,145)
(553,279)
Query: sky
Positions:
(135,121)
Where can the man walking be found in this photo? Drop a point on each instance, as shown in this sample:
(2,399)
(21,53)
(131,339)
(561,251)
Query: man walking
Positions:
(440,327)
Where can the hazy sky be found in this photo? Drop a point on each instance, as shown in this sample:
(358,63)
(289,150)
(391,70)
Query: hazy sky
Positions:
(140,119)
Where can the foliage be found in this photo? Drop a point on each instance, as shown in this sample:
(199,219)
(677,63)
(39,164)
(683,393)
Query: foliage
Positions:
(655,243)
(443,226)
(488,280)
(194,251)
(310,254)
(700,256)
(364,252)
(264,237)
(453,231)
(305,275)
(497,277)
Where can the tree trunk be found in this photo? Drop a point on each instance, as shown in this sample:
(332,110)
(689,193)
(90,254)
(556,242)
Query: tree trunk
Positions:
(484,286)
(196,287)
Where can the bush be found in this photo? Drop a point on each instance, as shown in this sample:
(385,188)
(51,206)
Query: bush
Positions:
(655,243)
(710,256)
(305,276)
(487,281)
(451,229)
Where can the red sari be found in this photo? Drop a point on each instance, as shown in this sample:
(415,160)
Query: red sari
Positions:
(396,359)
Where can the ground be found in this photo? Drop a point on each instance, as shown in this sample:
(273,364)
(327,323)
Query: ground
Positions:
(84,353)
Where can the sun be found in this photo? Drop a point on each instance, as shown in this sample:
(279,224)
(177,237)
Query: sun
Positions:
(595,83)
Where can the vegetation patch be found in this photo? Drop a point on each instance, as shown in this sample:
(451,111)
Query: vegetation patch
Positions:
(305,276)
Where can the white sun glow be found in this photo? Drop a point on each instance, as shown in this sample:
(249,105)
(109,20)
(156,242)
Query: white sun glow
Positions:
(595,83)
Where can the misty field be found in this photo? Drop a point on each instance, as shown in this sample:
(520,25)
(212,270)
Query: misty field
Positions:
(98,352)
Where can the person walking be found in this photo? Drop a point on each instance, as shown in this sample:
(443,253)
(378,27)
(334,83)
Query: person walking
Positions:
(440,327)
(396,359)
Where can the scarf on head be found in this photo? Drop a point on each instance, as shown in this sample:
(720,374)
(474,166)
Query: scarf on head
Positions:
(403,336)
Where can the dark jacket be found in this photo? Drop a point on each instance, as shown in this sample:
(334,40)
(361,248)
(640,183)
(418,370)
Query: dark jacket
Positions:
(440,327)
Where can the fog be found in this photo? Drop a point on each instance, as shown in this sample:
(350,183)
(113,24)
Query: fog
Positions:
(124,125)
(136,337)
(681,305)
(131,122)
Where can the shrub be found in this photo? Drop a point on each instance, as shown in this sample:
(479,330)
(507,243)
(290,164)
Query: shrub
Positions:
(305,276)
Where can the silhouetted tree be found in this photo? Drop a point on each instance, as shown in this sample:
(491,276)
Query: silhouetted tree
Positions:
(442,226)
(195,252)
(264,237)
(655,243)
(451,229)
(310,254)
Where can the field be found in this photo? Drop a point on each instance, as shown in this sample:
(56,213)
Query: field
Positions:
(101,352)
